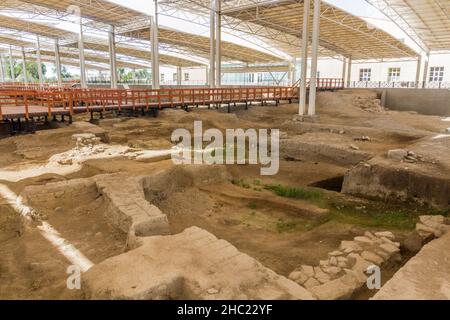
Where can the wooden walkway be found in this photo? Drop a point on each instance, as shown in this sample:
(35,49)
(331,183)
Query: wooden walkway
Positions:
(21,103)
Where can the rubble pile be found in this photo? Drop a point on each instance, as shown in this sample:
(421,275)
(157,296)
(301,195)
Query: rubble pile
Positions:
(404,155)
(431,227)
(345,270)
(368,104)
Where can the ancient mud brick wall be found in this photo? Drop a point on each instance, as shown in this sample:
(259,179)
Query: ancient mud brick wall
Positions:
(63,193)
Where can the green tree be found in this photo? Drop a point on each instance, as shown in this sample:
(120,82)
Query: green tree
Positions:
(64,72)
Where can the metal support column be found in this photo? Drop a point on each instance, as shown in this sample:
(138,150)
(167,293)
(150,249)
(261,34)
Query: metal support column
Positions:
(212,45)
(314,54)
(39,62)
(11,65)
(155,46)
(81,55)
(349,71)
(419,65)
(218,43)
(290,73)
(2,70)
(58,64)
(179,75)
(24,68)
(425,71)
(294,72)
(344,69)
(304,66)
(112,57)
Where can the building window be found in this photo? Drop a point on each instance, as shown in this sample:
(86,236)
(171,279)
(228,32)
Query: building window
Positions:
(436,74)
(365,74)
(251,77)
(394,74)
(162,77)
(260,77)
(186,76)
(175,77)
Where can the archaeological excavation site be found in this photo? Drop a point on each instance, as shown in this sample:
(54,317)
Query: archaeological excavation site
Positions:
(144,160)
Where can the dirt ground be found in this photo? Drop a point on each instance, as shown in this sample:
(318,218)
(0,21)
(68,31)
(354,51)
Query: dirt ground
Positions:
(282,233)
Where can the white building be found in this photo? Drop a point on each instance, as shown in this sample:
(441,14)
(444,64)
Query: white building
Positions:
(384,72)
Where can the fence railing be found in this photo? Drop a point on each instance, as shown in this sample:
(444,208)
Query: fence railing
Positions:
(398,84)
(30,103)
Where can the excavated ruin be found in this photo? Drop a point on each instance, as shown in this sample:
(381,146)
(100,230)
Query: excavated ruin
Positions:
(362,187)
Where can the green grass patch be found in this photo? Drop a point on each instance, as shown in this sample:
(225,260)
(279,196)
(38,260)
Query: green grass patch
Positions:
(368,214)
(252,205)
(285,226)
(354,213)
(314,195)
(240,183)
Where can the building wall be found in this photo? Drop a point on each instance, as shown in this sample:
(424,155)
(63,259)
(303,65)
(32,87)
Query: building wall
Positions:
(196,76)
(327,68)
(407,69)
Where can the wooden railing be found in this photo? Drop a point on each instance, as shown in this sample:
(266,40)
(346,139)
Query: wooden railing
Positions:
(22,101)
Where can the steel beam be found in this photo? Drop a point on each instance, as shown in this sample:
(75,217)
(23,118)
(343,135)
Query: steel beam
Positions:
(58,64)
(304,66)
(218,43)
(11,65)
(155,46)
(419,64)
(179,76)
(81,55)
(2,70)
(425,71)
(212,45)
(24,67)
(344,69)
(39,62)
(314,55)
(349,71)
(112,56)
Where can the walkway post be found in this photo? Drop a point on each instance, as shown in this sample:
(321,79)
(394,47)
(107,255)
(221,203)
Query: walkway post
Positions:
(11,65)
(314,54)
(58,64)
(212,45)
(39,62)
(24,68)
(81,55)
(155,46)
(304,66)
(112,56)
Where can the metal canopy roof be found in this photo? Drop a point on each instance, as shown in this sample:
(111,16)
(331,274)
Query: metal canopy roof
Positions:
(199,45)
(95,58)
(128,19)
(67,62)
(98,10)
(279,23)
(98,45)
(15,42)
(33,27)
(427,20)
